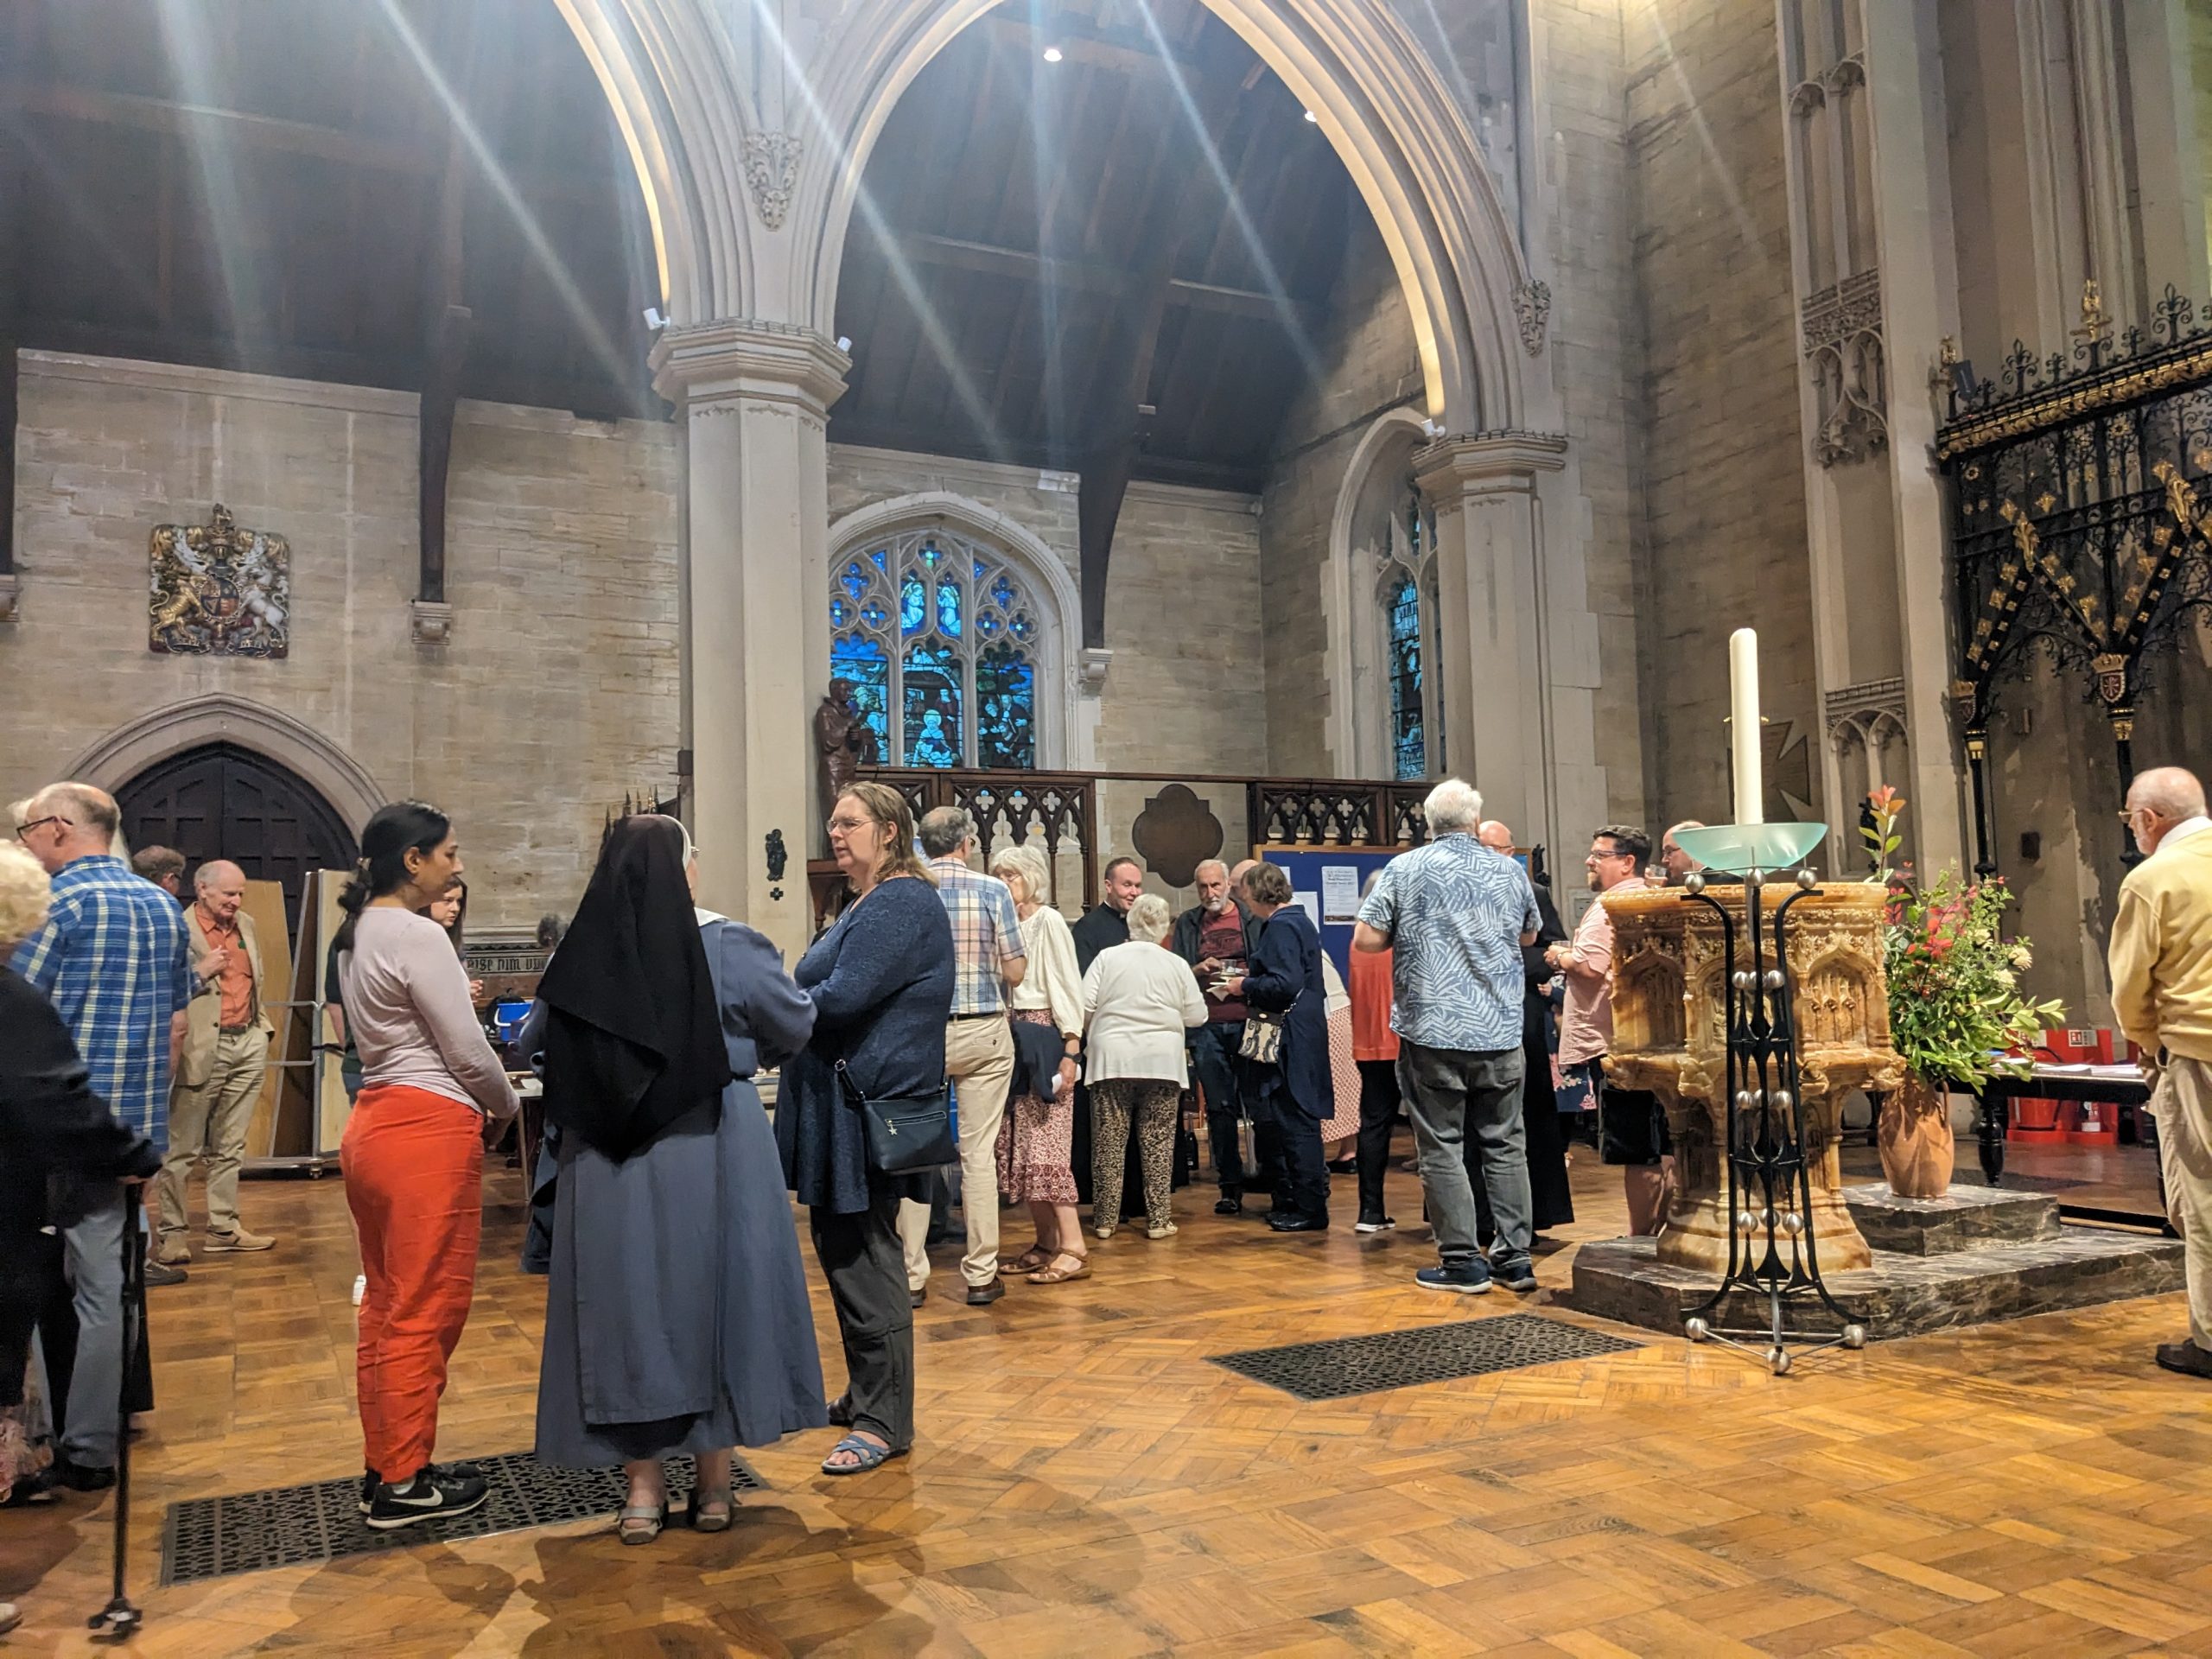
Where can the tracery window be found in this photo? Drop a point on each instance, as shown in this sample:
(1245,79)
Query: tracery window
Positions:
(940,637)
(1406,601)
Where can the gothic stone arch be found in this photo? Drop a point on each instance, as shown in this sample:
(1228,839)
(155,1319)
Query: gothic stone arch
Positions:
(705,155)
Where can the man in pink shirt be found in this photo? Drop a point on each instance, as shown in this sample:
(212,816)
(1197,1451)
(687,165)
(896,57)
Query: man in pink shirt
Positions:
(1631,1125)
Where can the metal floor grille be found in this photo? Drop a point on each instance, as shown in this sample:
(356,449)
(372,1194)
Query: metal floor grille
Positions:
(296,1526)
(1435,1353)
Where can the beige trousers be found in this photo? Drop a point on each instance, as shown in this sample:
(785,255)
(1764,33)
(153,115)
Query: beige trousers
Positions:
(209,1123)
(979,1058)
(2183,1104)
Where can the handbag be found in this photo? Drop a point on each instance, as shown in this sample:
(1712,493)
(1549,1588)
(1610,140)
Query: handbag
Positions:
(1262,1040)
(905,1133)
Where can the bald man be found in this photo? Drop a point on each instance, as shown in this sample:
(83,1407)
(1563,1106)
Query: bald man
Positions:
(2162,1001)
(218,1071)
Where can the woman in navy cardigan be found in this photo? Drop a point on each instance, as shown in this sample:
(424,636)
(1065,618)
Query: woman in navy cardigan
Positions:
(881,980)
(1285,978)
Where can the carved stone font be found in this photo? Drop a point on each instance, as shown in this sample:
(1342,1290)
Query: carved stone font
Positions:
(1669,1036)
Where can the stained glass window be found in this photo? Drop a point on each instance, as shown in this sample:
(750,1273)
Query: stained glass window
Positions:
(1409,740)
(945,632)
(1405,596)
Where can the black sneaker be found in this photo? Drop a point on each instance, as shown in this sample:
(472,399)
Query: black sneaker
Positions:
(1228,1204)
(450,1470)
(1373,1224)
(1515,1273)
(1469,1279)
(431,1496)
(83,1477)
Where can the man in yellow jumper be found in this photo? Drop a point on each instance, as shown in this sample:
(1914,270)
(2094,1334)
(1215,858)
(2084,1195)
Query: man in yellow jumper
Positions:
(2162,998)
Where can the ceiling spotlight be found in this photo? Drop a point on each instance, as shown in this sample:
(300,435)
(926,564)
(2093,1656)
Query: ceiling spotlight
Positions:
(844,342)
(1051,54)
(1310,116)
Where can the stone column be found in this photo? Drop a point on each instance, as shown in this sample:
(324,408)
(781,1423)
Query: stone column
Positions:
(1519,719)
(754,399)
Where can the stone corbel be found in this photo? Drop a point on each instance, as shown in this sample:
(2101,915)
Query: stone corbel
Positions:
(1092,664)
(771,169)
(10,591)
(1532,306)
(433,622)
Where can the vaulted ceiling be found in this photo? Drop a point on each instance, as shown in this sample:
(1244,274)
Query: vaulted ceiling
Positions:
(1129,249)
(307,188)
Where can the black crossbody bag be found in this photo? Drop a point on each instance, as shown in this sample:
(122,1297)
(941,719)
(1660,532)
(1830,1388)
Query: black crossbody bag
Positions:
(905,1133)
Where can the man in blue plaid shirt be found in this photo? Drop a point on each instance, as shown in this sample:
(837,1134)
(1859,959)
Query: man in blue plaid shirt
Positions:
(115,960)
(990,960)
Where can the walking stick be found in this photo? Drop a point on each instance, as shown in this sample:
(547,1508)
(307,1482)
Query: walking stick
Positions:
(121,1616)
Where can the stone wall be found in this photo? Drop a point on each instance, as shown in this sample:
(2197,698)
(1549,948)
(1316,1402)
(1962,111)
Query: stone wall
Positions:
(1369,364)
(1596,352)
(1723,500)
(556,692)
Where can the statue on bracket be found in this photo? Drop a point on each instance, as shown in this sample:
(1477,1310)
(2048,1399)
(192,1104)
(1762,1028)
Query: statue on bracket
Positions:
(842,740)
(216,590)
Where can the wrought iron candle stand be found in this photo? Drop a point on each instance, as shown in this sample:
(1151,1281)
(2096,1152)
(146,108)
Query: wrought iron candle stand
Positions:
(1771,1251)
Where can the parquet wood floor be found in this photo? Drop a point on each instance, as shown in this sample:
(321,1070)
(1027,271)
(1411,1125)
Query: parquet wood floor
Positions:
(1087,1485)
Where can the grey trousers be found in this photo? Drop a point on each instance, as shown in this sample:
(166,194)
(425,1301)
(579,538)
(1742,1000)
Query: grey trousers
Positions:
(92,1257)
(1455,1097)
(866,1266)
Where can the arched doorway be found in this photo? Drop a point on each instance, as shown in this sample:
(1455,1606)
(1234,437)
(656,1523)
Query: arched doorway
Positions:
(224,801)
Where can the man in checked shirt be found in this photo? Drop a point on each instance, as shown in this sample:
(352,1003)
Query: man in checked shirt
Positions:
(978,1047)
(115,961)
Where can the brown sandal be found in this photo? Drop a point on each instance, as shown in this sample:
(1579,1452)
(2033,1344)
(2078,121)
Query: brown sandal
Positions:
(1030,1261)
(1062,1276)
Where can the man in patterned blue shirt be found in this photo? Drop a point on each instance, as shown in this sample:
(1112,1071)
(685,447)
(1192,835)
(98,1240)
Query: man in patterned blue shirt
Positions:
(115,961)
(1454,915)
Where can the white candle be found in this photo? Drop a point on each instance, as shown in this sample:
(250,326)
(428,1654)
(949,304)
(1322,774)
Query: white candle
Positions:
(1744,724)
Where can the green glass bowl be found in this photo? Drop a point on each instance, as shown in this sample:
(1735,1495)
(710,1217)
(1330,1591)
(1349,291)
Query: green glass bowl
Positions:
(1739,848)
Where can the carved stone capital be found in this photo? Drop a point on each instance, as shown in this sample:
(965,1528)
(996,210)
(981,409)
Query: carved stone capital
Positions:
(1451,470)
(743,359)
(771,170)
(1092,664)
(433,621)
(10,592)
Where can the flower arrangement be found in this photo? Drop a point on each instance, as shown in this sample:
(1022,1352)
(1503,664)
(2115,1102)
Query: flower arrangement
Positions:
(1956,1014)
(1884,806)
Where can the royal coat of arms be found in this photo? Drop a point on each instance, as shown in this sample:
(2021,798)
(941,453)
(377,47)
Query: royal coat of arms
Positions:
(220,591)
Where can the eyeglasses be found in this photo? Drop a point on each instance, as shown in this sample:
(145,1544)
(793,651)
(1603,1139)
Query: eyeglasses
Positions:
(2126,815)
(1616,852)
(848,825)
(23,829)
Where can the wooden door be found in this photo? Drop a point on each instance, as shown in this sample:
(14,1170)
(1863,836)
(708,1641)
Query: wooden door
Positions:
(222,801)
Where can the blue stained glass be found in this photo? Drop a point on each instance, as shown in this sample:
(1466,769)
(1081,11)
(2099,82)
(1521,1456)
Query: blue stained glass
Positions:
(930,555)
(979,571)
(863,663)
(877,557)
(930,681)
(875,616)
(1022,626)
(987,625)
(1002,593)
(948,609)
(913,604)
(852,579)
(1408,739)
(1006,708)
(838,612)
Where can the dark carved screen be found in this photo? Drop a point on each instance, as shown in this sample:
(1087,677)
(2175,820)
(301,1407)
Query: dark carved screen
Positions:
(226,802)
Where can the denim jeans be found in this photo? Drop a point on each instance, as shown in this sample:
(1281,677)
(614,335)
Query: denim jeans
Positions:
(1213,1068)
(1455,1096)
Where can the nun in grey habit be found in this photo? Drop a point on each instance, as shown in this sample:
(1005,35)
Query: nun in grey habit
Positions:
(677,1317)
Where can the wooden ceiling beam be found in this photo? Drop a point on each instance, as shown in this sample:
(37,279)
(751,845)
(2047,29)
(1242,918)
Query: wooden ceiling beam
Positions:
(190,121)
(981,258)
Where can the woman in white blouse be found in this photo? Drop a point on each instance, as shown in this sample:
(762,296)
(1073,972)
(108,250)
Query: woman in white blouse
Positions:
(1036,1135)
(1140,997)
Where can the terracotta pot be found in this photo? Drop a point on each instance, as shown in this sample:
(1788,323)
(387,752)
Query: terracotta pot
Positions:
(1914,1134)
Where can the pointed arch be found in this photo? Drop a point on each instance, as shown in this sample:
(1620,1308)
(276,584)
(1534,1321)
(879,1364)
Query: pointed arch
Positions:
(218,718)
